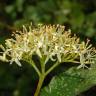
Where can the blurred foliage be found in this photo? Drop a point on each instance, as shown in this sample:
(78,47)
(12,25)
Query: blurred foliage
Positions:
(78,15)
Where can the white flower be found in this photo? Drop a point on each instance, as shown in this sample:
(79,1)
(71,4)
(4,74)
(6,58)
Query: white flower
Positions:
(47,42)
(16,61)
(3,58)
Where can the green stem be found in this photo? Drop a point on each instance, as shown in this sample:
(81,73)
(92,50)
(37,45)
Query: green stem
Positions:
(55,65)
(33,65)
(41,79)
(51,68)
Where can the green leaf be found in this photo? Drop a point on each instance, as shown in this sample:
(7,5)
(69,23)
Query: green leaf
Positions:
(70,83)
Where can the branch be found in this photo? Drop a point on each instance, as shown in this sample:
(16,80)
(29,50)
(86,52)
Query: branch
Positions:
(34,66)
(51,68)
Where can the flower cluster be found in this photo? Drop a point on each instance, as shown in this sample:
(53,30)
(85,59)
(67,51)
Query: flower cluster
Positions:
(48,42)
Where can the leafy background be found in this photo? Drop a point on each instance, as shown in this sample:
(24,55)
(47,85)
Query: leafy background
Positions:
(78,15)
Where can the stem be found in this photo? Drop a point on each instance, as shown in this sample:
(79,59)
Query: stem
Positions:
(51,68)
(55,65)
(41,79)
(33,65)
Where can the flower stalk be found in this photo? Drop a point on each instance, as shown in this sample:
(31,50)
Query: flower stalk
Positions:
(41,80)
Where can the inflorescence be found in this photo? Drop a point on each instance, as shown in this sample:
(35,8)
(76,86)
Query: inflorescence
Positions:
(48,42)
